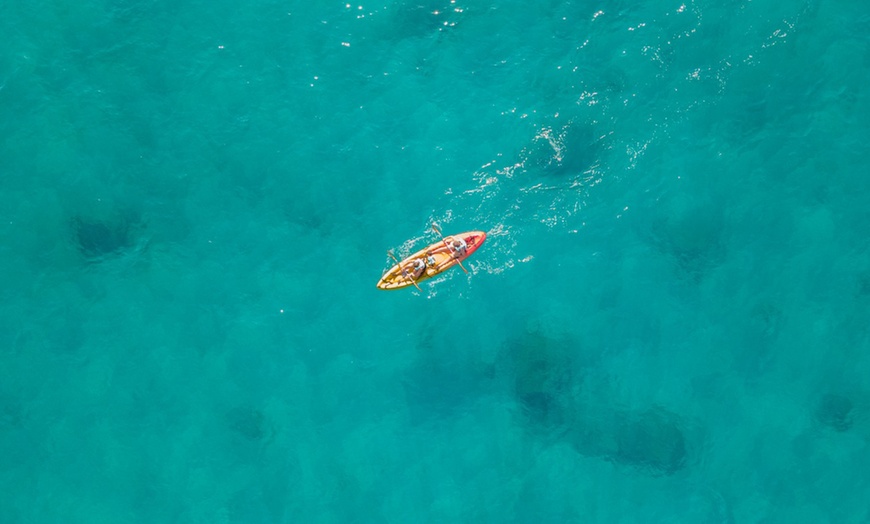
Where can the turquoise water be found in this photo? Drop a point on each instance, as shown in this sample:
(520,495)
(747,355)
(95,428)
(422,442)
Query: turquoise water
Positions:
(667,323)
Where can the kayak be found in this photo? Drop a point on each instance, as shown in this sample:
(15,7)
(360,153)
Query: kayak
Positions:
(433,259)
(437,258)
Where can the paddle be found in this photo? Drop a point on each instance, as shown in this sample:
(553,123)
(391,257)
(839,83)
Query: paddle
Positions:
(404,273)
(435,229)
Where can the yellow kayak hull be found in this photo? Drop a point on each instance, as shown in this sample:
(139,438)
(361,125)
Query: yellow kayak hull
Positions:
(439,259)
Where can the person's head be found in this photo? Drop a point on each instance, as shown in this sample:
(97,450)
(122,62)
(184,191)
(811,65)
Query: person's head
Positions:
(457,244)
(418,263)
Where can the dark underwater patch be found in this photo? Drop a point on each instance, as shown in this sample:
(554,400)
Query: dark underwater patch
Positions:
(652,440)
(690,232)
(835,411)
(560,403)
(100,238)
(543,378)
(249,422)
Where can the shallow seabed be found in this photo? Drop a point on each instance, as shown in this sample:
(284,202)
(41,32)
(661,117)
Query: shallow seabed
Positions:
(667,323)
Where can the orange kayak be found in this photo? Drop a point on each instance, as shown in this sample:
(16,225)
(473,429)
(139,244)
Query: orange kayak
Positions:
(431,260)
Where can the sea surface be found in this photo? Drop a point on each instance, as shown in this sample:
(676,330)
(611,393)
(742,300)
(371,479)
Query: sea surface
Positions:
(669,321)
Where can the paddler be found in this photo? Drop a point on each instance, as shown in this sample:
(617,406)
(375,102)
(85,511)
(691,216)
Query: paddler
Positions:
(459,247)
(417,267)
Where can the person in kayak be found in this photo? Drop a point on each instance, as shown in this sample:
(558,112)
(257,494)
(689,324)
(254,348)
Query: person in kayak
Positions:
(459,247)
(417,268)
